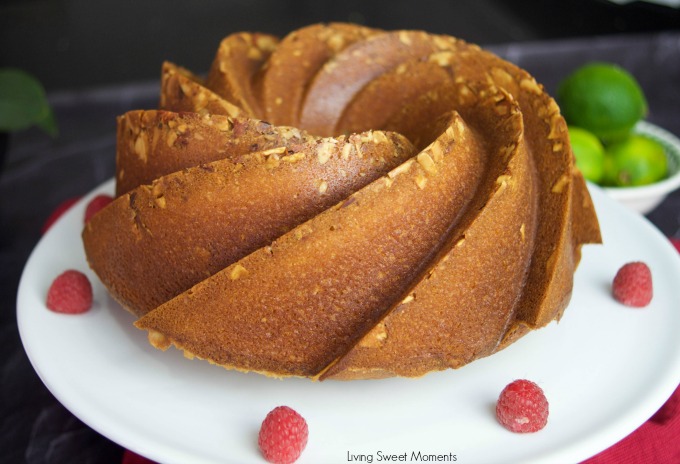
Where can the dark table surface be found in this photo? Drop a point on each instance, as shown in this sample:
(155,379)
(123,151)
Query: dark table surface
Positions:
(40,173)
(74,43)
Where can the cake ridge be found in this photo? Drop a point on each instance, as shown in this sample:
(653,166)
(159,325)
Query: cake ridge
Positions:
(183,91)
(239,57)
(295,60)
(369,285)
(266,193)
(311,242)
(424,351)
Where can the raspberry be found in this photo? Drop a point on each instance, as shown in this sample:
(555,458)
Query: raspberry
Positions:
(283,435)
(522,407)
(70,293)
(632,285)
(96,204)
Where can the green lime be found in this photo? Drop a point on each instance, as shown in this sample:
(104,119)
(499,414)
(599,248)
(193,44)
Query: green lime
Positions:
(638,160)
(610,171)
(602,98)
(589,153)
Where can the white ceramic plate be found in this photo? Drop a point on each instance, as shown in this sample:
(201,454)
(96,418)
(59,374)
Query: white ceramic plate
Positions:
(605,369)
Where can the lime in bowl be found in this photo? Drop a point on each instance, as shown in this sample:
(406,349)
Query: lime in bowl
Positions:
(645,198)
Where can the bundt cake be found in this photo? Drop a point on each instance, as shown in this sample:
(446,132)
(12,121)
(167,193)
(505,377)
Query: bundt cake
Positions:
(194,221)
(411,204)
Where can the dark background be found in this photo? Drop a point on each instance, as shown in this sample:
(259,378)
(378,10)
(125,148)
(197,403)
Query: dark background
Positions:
(82,43)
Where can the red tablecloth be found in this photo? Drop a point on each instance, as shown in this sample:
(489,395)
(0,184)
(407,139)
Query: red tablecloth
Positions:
(655,441)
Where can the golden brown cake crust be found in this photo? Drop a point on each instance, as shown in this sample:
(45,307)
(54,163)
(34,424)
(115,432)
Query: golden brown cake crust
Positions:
(296,60)
(153,143)
(291,308)
(183,91)
(447,320)
(233,71)
(155,242)
(344,75)
(288,254)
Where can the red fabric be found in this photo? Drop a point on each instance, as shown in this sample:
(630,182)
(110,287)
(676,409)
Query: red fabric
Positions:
(676,243)
(655,441)
(133,458)
(57,213)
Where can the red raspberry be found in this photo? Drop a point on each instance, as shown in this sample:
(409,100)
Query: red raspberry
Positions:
(96,204)
(522,407)
(632,285)
(283,435)
(70,293)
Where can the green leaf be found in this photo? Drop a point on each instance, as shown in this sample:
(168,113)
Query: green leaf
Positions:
(23,103)
(48,123)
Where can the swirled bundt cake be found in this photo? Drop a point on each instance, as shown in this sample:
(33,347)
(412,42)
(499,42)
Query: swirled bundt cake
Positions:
(411,204)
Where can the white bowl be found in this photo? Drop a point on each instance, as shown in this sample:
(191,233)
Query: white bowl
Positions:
(644,199)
